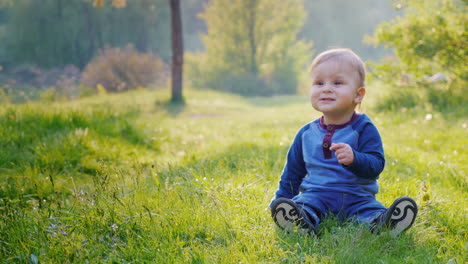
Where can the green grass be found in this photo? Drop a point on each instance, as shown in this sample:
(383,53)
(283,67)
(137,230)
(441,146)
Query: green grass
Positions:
(130,178)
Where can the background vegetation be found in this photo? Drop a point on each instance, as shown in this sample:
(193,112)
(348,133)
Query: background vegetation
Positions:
(76,39)
(430,46)
(258,54)
(123,69)
(54,33)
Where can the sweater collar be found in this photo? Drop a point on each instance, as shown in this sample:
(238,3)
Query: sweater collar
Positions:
(337,126)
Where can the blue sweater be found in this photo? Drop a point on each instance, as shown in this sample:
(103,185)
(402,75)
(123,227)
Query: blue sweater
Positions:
(311,166)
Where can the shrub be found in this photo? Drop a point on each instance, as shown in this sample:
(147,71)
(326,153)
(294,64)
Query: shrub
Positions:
(400,98)
(429,38)
(26,75)
(446,100)
(34,77)
(123,69)
(25,82)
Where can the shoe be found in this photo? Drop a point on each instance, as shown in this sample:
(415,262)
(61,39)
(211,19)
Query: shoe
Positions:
(288,216)
(398,217)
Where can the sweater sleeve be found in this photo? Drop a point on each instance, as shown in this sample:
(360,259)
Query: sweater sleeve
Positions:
(369,160)
(294,170)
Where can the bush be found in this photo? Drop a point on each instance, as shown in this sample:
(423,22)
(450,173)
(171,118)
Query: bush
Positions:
(400,98)
(34,77)
(430,96)
(429,38)
(123,69)
(446,100)
(25,82)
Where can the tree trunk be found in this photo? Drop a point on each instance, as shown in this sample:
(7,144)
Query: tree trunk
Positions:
(177,51)
(252,19)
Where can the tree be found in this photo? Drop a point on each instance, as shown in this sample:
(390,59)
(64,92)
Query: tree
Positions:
(177,44)
(431,37)
(177,51)
(251,47)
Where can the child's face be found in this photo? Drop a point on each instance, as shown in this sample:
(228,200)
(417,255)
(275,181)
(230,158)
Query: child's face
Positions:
(335,89)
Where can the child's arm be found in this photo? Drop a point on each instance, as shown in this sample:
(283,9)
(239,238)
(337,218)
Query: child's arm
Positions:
(368,160)
(294,170)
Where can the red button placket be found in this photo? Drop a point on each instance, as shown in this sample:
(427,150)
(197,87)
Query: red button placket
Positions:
(326,143)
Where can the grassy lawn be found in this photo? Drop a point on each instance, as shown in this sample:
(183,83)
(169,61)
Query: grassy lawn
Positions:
(129,178)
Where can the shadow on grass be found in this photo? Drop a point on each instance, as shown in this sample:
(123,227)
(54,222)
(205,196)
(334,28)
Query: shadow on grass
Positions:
(28,125)
(173,108)
(43,143)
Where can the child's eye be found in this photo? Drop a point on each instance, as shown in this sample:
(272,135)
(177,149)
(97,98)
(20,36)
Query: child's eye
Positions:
(338,82)
(319,83)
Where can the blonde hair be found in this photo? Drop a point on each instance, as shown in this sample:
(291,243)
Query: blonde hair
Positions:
(345,55)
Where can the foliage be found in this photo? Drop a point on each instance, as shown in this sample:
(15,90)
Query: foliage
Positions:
(123,69)
(115,3)
(325,25)
(257,53)
(118,178)
(423,96)
(54,33)
(25,83)
(35,77)
(431,37)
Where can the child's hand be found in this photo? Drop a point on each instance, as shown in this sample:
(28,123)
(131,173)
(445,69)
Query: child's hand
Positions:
(344,153)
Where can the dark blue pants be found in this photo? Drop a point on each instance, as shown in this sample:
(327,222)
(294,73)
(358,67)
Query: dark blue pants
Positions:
(343,205)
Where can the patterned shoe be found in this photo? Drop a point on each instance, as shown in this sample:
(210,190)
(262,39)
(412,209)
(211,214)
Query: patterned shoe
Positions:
(288,215)
(398,217)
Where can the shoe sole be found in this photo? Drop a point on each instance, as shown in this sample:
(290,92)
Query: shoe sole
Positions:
(404,211)
(286,215)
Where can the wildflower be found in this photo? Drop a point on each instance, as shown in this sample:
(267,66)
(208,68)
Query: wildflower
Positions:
(114,227)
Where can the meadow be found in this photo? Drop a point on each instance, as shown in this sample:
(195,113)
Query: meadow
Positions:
(132,178)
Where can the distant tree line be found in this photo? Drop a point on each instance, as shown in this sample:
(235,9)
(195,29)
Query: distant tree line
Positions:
(52,33)
(245,46)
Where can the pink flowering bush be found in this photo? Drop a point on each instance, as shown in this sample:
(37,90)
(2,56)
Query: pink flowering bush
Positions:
(118,70)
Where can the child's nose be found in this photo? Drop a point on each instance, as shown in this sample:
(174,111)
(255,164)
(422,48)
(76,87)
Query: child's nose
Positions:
(328,88)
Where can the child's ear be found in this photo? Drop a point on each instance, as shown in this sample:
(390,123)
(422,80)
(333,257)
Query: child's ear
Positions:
(360,95)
